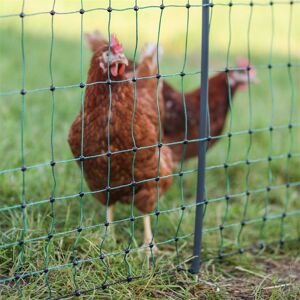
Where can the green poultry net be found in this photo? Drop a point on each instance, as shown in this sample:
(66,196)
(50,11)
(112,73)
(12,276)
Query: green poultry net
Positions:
(56,241)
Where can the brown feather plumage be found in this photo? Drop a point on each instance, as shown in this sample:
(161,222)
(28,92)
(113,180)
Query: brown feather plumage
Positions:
(145,130)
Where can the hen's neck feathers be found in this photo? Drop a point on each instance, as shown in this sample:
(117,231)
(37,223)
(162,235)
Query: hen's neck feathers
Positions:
(99,89)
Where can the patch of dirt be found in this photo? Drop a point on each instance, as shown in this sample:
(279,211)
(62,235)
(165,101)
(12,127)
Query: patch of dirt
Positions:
(284,268)
(281,276)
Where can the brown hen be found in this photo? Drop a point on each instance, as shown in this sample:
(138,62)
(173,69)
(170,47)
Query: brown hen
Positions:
(110,128)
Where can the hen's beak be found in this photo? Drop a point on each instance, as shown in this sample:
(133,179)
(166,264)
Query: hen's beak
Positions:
(118,64)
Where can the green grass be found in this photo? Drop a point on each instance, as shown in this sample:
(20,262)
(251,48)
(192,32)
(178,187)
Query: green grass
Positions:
(259,274)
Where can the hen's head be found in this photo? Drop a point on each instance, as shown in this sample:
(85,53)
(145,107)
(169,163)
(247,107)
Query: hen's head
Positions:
(114,57)
(241,78)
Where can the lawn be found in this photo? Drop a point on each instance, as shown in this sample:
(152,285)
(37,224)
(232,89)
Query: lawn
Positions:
(242,30)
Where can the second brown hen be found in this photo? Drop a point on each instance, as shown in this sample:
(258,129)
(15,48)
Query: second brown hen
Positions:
(222,89)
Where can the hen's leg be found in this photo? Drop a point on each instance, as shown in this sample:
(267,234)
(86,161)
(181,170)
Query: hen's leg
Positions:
(148,238)
(110,213)
(110,218)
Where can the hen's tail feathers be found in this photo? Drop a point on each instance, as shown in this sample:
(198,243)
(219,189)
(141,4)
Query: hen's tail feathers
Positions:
(94,40)
(148,64)
(152,51)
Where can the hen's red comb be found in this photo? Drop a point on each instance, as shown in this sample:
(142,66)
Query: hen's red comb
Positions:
(242,62)
(115,45)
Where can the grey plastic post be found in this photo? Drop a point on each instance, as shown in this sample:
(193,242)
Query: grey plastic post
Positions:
(196,262)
